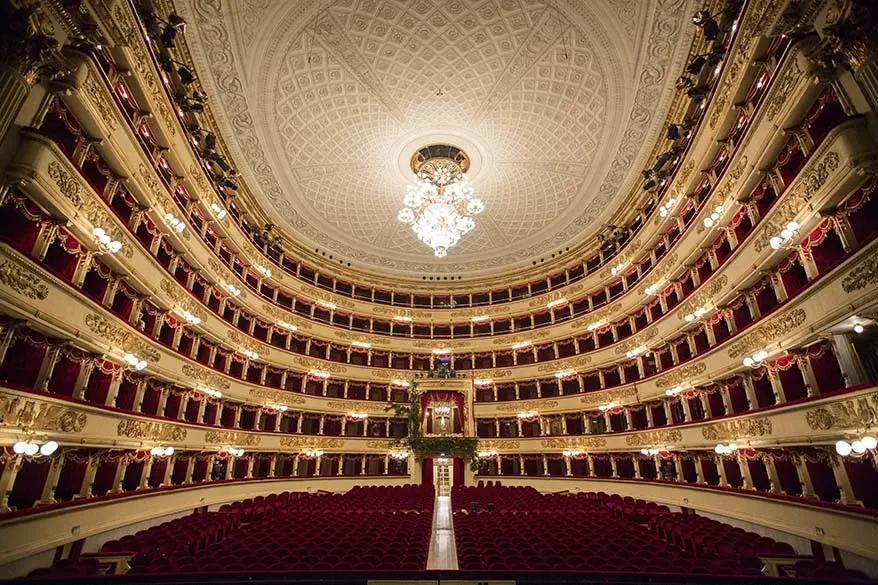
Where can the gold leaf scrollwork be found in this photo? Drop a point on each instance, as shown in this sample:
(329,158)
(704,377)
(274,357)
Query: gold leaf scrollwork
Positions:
(582,443)
(206,377)
(737,429)
(527,405)
(67,183)
(126,340)
(310,443)
(765,334)
(154,431)
(680,375)
(847,414)
(607,396)
(25,412)
(356,406)
(278,396)
(23,280)
(380,445)
(498,444)
(659,437)
(863,273)
(232,438)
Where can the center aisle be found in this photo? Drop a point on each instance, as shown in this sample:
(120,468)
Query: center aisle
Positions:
(443,552)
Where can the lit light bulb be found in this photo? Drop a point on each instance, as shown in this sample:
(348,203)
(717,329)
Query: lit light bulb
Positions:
(20,447)
(843,448)
(858,328)
(48,448)
(31,449)
(870,442)
(858,447)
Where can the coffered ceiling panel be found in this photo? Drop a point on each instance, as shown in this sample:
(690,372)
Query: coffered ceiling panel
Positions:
(322,104)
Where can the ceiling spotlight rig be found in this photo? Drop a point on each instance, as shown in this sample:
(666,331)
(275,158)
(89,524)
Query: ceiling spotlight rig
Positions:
(440,204)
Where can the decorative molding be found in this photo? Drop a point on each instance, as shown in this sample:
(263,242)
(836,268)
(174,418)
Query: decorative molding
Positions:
(414,314)
(527,405)
(206,377)
(22,279)
(844,415)
(155,431)
(525,336)
(278,314)
(245,342)
(381,445)
(126,340)
(498,444)
(233,438)
(182,299)
(636,340)
(276,396)
(575,443)
(99,99)
(352,337)
(567,292)
(863,273)
(66,182)
(681,374)
(612,395)
(18,411)
(783,88)
(571,363)
(737,429)
(705,297)
(311,443)
(326,366)
(763,335)
(357,406)
(658,437)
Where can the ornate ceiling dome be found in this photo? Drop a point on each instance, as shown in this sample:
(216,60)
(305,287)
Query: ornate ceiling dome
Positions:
(322,104)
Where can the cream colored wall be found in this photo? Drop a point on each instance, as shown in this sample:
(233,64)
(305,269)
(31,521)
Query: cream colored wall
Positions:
(846,531)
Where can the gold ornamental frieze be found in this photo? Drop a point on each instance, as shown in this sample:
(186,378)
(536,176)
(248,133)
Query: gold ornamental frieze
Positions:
(797,199)
(223,275)
(276,396)
(706,297)
(855,413)
(659,274)
(636,340)
(595,316)
(565,293)
(527,405)
(452,344)
(381,445)
(497,374)
(765,334)
(357,406)
(181,300)
(863,273)
(247,343)
(631,252)
(71,187)
(311,443)
(361,338)
(393,374)
(315,364)
(581,443)
(206,377)
(153,431)
(498,444)
(680,375)
(280,315)
(325,296)
(17,411)
(233,438)
(792,75)
(737,429)
(571,363)
(100,100)
(121,337)
(486,311)
(413,314)
(528,337)
(658,437)
(607,396)
(23,280)
(196,175)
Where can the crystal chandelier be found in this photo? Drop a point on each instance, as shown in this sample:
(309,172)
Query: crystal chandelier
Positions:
(440,204)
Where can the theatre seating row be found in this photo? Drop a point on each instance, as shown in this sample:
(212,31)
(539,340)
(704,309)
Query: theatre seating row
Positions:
(598,532)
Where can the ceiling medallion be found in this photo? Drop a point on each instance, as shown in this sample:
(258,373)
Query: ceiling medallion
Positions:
(439,204)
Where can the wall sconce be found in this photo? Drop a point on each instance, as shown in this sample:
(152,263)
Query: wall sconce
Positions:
(264,271)
(613,407)
(673,391)
(105,242)
(232,289)
(327,305)
(287,326)
(188,316)
(487,454)
(134,362)
(402,319)
(756,360)
(652,289)
(312,453)
(714,216)
(399,455)
(722,449)
(572,453)
(33,448)
(218,210)
(597,325)
(318,375)
(521,345)
(400,383)
(856,448)
(483,382)
(696,314)
(564,374)
(618,268)
(631,353)
(232,452)
(249,353)
(356,416)
(161,451)
(666,207)
(782,240)
(361,344)
(480,319)
(556,303)
(650,452)
(175,223)
(279,407)
(212,392)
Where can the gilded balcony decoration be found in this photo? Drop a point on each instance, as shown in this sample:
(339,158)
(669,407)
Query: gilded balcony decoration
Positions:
(276,396)
(636,340)
(571,363)
(17,411)
(658,437)
(575,443)
(155,431)
(737,429)
(620,395)
(856,413)
(385,445)
(685,373)
(357,406)
(863,273)
(767,333)
(233,438)
(527,405)
(301,443)
(498,444)
(121,337)
(28,45)
(23,280)
(206,377)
